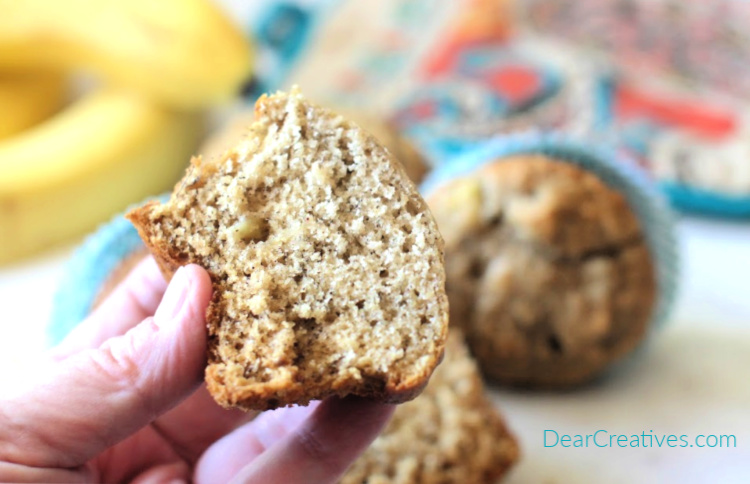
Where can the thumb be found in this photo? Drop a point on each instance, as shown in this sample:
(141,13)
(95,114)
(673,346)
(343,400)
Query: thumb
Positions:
(98,397)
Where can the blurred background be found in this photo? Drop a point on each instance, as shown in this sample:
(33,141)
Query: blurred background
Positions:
(97,115)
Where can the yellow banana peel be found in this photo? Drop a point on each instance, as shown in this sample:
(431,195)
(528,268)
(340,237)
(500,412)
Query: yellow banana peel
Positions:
(107,150)
(28,98)
(185,53)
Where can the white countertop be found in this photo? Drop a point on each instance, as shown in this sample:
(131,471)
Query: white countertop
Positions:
(691,379)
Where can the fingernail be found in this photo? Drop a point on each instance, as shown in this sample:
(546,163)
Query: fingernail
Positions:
(174,299)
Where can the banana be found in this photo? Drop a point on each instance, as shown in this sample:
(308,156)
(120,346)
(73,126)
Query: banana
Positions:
(107,150)
(184,53)
(27,99)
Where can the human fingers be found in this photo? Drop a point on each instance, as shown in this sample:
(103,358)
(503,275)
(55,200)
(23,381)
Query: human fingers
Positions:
(92,400)
(198,422)
(174,473)
(10,472)
(135,299)
(225,458)
(320,449)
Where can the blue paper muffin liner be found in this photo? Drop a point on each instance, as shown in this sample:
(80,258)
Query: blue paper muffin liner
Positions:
(643,196)
(696,200)
(87,271)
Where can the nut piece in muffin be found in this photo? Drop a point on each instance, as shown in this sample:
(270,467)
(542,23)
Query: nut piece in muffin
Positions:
(547,270)
(451,433)
(327,266)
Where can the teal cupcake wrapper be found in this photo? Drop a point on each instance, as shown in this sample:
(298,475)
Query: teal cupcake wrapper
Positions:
(691,199)
(643,196)
(87,271)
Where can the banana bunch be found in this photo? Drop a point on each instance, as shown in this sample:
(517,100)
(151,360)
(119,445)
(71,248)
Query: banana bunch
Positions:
(185,53)
(28,98)
(160,65)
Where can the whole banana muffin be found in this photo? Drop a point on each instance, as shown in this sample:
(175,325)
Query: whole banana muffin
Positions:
(548,271)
